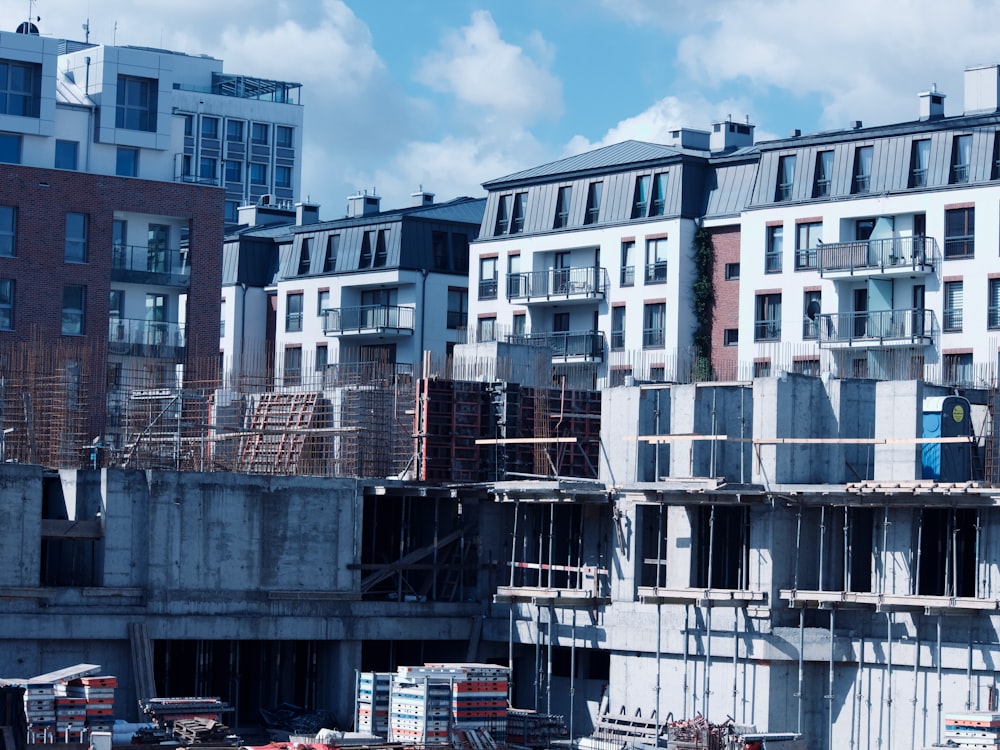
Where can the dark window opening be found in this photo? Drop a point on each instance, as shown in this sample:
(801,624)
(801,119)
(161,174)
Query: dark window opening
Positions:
(722,547)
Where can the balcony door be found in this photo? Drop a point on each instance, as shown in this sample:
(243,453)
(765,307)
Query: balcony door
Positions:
(156,248)
(560,273)
(156,316)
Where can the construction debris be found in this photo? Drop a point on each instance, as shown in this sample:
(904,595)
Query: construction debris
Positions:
(204,732)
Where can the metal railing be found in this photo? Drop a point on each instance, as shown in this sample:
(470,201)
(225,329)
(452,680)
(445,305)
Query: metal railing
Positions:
(656,273)
(145,259)
(368,318)
(566,344)
(146,338)
(888,253)
(581,281)
(882,326)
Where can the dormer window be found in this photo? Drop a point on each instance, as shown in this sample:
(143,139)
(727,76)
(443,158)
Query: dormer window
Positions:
(961,155)
(786,178)
(640,200)
(593,203)
(862,169)
(824,174)
(919,159)
(562,207)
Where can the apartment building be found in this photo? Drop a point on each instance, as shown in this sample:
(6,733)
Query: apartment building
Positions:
(112,212)
(590,256)
(373,287)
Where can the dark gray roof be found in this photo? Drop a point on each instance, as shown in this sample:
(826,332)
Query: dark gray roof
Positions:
(615,155)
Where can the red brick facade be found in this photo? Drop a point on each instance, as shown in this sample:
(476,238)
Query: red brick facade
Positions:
(726,241)
(42,198)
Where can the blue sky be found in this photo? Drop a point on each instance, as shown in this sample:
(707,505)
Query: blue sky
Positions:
(446,94)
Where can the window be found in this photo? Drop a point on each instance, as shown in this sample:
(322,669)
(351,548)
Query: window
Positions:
(640,201)
(862,169)
(786,178)
(995,168)
(953,300)
(282,177)
(8,231)
(322,357)
(654,325)
(458,308)
(520,324)
(920,155)
(305,256)
(293,365)
(824,174)
(560,322)
(628,263)
(210,127)
(381,252)
(6,304)
(157,247)
(260,133)
(762,368)
(808,237)
(76,238)
(258,174)
(330,257)
(322,301)
(732,271)
(659,195)
(520,208)
(503,216)
(127,162)
(486,329)
(957,368)
(731,337)
(593,203)
(366,250)
(487,278)
(618,328)
(116,303)
(460,251)
(562,207)
(136,108)
(73,309)
(67,154)
(767,317)
(439,250)
(959,232)
(517,284)
(234,131)
(775,245)
(811,306)
(206,169)
(188,125)
(293,312)
(656,261)
(187,165)
(806,366)
(20,88)
(10,148)
(993,309)
(283,136)
(961,155)
(234,171)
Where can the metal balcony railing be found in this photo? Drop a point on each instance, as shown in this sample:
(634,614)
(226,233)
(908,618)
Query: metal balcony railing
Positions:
(368,319)
(581,281)
(566,344)
(146,338)
(882,327)
(915,253)
(141,259)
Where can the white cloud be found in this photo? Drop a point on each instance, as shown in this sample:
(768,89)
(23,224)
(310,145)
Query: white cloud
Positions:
(479,68)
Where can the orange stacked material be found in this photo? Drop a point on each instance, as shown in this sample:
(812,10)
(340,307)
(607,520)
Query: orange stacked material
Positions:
(972,729)
(373,703)
(98,696)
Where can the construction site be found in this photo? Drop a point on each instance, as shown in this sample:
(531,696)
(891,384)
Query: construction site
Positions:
(793,556)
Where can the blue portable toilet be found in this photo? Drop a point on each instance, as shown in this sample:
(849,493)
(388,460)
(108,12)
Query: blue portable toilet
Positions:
(947,416)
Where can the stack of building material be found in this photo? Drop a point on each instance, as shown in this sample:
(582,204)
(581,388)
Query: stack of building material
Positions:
(71,714)
(201,732)
(40,711)
(534,730)
(373,703)
(419,708)
(97,697)
(165,711)
(972,729)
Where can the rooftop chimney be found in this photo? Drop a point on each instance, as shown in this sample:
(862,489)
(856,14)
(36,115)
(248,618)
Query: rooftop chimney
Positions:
(727,135)
(306,213)
(982,89)
(931,104)
(856,124)
(697,140)
(421,198)
(362,204)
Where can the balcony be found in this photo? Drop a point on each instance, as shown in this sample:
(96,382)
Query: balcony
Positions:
(878,328)
(890,256)
(579,284)
(568,346)
(139,264)
(368,320)
(146,338)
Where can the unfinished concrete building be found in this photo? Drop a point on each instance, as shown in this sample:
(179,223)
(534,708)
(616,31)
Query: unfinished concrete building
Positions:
(800,554)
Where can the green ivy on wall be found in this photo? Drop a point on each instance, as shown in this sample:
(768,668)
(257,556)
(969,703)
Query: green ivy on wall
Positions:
(703,304)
